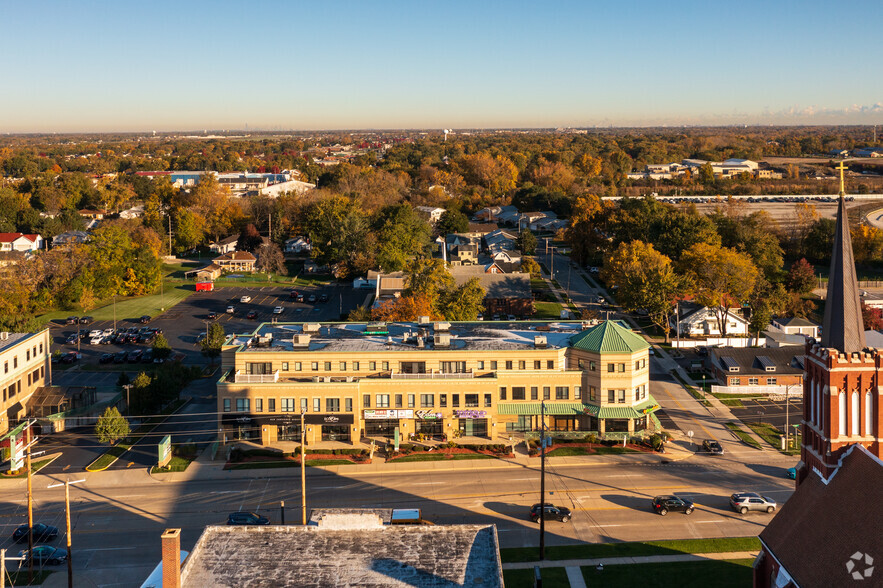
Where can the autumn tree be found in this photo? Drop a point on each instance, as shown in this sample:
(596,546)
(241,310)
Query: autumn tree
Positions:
(721,278)
(404,308)
(530,266)
(585,235)
(270,260)
(249,239)
(495,174)
(645,279)
(465,302)
(801,277)
(428,277)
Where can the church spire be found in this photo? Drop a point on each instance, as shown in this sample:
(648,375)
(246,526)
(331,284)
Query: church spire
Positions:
(842,327)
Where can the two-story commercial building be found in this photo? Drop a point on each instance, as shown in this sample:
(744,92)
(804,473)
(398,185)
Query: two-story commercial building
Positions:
(444,380)
(24,367)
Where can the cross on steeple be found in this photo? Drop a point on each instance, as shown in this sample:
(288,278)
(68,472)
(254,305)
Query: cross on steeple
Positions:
(842,169)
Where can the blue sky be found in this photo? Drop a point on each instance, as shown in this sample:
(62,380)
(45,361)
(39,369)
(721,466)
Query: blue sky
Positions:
(187,65)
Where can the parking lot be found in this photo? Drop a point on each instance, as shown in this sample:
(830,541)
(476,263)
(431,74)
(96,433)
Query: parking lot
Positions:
(183,323)
(771,411)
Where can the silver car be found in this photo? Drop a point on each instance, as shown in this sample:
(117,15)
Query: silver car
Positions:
(742,502)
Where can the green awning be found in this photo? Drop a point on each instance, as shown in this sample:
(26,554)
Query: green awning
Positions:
(637,411)
(552,408)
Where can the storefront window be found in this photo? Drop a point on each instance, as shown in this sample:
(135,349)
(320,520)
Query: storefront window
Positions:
(473,427)
(381,427)
(616,425)
(430,427)
(226,405)
(289,432)
(335,433)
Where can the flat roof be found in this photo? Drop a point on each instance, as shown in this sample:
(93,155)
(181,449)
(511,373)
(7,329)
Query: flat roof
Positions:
(13,339)
(347,555)
(352,337)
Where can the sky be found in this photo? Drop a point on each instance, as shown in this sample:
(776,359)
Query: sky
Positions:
(305,65)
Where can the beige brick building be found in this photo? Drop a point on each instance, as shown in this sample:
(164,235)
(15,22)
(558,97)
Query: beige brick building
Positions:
(441,380)
(24,367)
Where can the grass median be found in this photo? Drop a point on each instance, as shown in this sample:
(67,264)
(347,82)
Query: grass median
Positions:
(633,549)
(772,435)
(440,457)
(735,573)
(742,435)
(36,466)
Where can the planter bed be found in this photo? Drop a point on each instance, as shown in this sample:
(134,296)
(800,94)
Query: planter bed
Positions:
(445,453)
(282,461)
(566,449)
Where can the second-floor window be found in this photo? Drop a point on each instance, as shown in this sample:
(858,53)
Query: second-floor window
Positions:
(518,393)
(286,404)
(332,405)
(242,404)
(427,400)
(382,400)
(472,401)
(562,393)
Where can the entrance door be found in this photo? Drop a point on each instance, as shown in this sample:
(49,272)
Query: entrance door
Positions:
(473,427)
(335,433)
(433,428)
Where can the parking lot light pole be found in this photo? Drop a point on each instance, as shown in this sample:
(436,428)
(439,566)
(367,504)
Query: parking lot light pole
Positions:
(303,470)
(128,406)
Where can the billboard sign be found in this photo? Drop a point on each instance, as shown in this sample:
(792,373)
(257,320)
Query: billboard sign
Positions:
(164,451)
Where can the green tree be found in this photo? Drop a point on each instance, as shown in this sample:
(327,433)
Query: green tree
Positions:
(585,234)
(211,345)
(645,279)
(452,221)
(527,242)
(189,229)
(401,234)
(721,278)
(761,315)
(706,174)
(337,228)
(464,303)
(428,277)
(111,426)
(530,266)
(161,347)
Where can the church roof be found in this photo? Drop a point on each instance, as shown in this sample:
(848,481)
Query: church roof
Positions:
(842,327)
(609,337)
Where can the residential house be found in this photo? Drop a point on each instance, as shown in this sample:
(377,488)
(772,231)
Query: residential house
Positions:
(492,213)
(209,273)
(70,238)
(500,240)
(796,326)
(225,245)
(20,242)
(703,322)
(760,370)
(504,293)
(828,531)
(298,245)
(434,213)
(92,214)
(134,212)
(461,248)
(868,152)
(506,259)
(236,261)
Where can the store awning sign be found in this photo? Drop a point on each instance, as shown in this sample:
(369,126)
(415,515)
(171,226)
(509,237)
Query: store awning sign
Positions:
(470,414)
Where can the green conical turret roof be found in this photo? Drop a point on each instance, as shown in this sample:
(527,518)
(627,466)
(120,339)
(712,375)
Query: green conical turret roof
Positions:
(609,337)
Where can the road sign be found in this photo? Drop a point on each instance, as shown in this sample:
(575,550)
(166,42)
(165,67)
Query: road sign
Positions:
(164,450)
(690,434)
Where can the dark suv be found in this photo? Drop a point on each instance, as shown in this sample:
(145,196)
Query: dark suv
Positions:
(712,446)
(550,512)
(246,518)
(665,504)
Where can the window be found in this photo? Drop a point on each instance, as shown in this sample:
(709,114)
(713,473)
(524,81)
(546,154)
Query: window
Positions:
(735,381)
(562,393)
(481,365)
(348,402)
(534,393)
(453,367)
(547,392)
(226,405)
(508,365)
(382,401)
(427,400)
(332,405)
(5,367)
(15,362)
(41,348)
(502,393)
(869,404)
(385,366)
(343,366)
(518,393)
(315,366)
(611,367)
(487,400)
(620,397)
(620,368)
(644,362)
(284,366)
(593,393)
(471,400)
(366,401)
(259,368)
(355,366)
(399,400)
(327,366)
(855,414)
(410,401)
(303,404)
(577,392)
(550,364)
(259,405)
(592,366)
(317,405)
(537,364)
(455,400)
(286,404)
(298,366)
(771,381)
(611,396)
(27,355)
(637,365)
(842,411)
(494,365)
(443,400)
(752,381)
(242,404)
(372,365)
(521,365)
(271,405)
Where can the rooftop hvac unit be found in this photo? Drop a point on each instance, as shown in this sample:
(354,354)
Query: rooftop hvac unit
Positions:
(420,343)
(312,327)
(539,341)
(441,326)
(443,340)
(301,341)
(423,320)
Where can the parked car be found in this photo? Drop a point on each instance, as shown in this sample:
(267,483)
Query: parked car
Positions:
(311,299)
(41,533)
(144,319)
(72,320)
(550,512)
(323,297)
(134,356)
(791,473)
(300,297)
(231,309)
(45,555)
(72,339)
(293,293)
(200,338)
(245,299)
(120,357)
(70,357)
(712,446)
(106,358)
(96,340)
(107,332)
(278,310)
(742,502)
(86,320)
(147,338)
(246,518)
(252,314)
(212,315)
(94,333)
(147,356)
(665,504)
(120,338)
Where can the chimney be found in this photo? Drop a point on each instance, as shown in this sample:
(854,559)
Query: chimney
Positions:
(171,558)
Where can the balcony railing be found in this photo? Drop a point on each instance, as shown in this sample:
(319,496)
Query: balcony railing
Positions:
(240,378)
(431,375)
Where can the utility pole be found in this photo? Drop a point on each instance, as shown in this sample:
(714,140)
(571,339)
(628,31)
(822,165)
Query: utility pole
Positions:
(542,481)
(128,406)
(170,233)
(114,313)
(30,509)
(303,470)
(67,514)
(787,402)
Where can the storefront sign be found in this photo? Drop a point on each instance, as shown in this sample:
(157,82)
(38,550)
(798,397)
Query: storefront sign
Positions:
(427,415)
(388,414)
(329,419)
(470,414)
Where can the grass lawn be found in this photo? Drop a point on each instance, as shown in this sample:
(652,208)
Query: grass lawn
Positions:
(743,436)
(36,466)
(441,456)
(524,578)
(106,459)
(129,308)
(20,578)
(734,402)
(633,549)
(547,311)
(177,464)
(687,574)
(771,435)
(693,391)
(565,451)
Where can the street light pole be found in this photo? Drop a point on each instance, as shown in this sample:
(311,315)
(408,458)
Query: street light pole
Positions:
(303,470)
(787,399)
(30,510)
(128,406)
(542,481)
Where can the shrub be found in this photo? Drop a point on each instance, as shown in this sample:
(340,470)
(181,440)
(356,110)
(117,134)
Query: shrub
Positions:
(451,444)
(403,447)
(656,442)
(592,438)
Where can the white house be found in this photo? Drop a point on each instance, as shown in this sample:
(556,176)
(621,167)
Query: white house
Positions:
(433,212)
(796,326)
(703,322)
(20,242)
(134,212)
(70,238)
(297,245)
(226,245)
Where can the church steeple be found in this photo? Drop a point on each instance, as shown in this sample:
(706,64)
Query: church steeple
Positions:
(842,327)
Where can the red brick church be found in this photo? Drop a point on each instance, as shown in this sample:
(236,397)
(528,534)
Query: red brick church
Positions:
(830,532)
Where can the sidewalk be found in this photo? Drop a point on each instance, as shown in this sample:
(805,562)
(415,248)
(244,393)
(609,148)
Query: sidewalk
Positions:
(613,561)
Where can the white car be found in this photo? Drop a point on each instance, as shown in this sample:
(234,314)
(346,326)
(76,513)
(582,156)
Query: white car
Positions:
(96,340)
(95,333)
(245,299)
(231,309)
(107,333)
(277,310)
